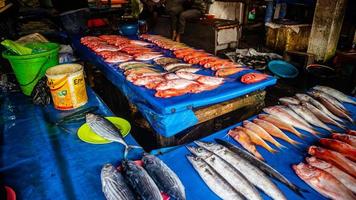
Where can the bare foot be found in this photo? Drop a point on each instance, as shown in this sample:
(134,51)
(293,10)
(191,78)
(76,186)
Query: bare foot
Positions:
(178,38)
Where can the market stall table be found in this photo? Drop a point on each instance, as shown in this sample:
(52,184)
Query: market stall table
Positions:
(170,116)
(42,161)
(281,161)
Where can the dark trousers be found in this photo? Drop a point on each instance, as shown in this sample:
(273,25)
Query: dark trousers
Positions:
(179,15)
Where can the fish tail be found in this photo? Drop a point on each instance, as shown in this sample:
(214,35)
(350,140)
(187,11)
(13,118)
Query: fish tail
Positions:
(128,148)
(294,143)
(279,145)
(298,191)
(297,133)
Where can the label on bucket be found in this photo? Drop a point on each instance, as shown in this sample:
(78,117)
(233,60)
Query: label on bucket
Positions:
(68,91)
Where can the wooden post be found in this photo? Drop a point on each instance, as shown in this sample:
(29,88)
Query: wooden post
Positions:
(327,23)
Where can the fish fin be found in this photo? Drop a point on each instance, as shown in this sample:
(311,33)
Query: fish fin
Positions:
(128,148)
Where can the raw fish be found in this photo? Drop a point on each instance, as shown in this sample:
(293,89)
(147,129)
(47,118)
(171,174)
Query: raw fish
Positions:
(351,132)
(228,172)
(256,139)
(334,158)
(335,93)
(341,147)
(209,80)
(289,100)
(245,141)
(280,124)
(176,84)
(216,183)
(349,139)
(274,131)
(323,182)
(261,132)
(344,178)
(228,71)
(251,172)
(309,116)
(253,78)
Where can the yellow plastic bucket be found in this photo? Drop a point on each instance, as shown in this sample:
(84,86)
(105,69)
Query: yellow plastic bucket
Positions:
(67,86)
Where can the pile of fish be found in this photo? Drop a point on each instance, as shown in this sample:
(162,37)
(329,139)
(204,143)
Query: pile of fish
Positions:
(168,84)
(232,173)
(147,179)
(303,112)
(117,49)
(223,67)
(331,169)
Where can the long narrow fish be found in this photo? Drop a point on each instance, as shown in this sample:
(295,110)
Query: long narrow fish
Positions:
(347,180)
(332,100)
(261,132)
(273,130)
(114,185)
(270,171)
(244,140)
(335,110)
(335,93)
(323,182)
(289,100)
(282,114)
(252,173)
(256,139)
(280,124)
(317,104)
(140,181)
(229,173)
(212,179)
(309,116)
(322,116)
(166,180)
(342,147)
(335,158)
(107,130)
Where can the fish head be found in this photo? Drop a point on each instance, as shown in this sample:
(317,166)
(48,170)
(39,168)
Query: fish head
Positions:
(106,171)
(314,93)
(313,161)
(90,117)
(302,97)
(149,159)
(212,147)
(306,171)
(199,151)
(313,149)
(130,166)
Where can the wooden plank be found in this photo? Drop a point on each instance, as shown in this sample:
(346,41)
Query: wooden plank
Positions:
(217,110)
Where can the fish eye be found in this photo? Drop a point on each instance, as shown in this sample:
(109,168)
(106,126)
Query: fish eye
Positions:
(200,149)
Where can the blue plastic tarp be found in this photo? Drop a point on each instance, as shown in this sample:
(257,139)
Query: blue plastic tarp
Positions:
(169,116)
(41,161)
(175,158)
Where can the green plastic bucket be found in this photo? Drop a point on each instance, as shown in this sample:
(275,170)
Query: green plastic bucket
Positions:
(29,69)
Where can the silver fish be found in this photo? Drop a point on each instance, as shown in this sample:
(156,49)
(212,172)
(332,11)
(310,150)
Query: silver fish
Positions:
(309,116)
(322,116)
(229,173)
(113,184)
(252,173)
(270,171)
(335,93)
(212,179)
(289,100)
(140,181)
(332,100)
(288,116)
(166,180)
(107,130)
(317,104)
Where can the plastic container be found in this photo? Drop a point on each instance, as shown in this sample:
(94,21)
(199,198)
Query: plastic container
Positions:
(67,86)
(283,69)
(29,69)
(128,29)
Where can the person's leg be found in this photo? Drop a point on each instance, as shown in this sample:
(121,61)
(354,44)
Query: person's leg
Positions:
(174,9)
(188,14)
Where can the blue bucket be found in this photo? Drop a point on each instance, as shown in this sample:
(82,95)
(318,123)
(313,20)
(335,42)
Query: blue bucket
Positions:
(282,69)
(128,29)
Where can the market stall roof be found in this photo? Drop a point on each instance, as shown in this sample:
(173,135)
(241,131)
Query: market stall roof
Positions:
(42,161)
(281,161)
(169,116)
